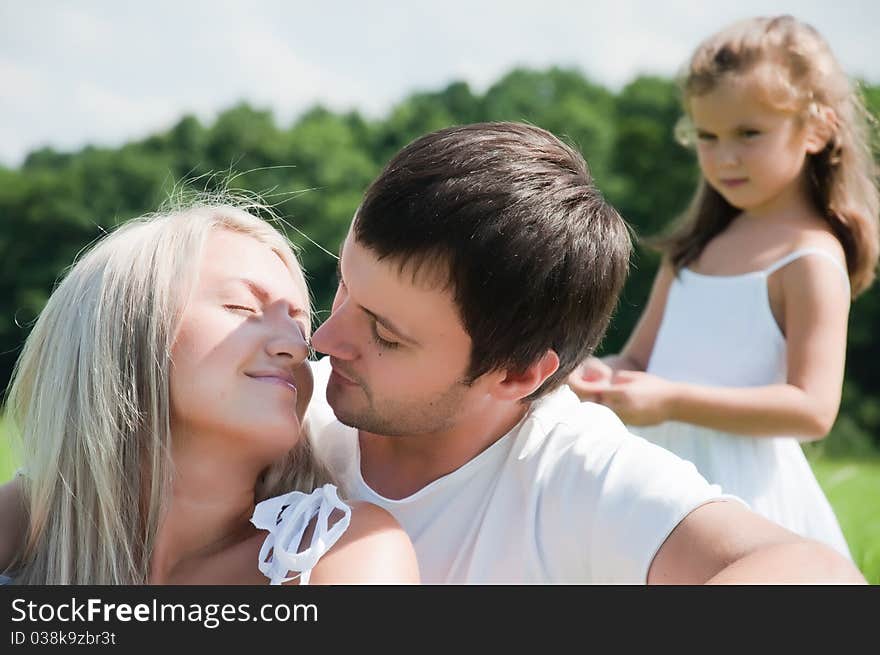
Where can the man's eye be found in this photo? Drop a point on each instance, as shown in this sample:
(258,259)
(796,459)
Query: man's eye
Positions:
(383,343)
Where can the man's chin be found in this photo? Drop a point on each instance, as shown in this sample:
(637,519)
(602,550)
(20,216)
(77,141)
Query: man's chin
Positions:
(341,406)
(359,420)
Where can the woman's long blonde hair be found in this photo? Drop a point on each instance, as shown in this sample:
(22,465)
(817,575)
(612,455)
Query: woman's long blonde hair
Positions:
(800,74)
(90,398)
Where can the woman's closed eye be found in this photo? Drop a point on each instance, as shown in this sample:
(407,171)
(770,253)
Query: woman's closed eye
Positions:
(241,308)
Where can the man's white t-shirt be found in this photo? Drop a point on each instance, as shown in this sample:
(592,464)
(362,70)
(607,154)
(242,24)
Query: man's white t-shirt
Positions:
(567,496)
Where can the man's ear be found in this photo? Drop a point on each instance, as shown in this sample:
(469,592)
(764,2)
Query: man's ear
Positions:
(821,126)
(515,386)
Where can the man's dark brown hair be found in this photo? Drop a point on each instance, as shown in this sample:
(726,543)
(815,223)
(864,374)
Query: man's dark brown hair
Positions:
(535,256)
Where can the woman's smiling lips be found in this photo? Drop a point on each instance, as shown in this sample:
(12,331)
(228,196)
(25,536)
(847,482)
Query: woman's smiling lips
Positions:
(281,378)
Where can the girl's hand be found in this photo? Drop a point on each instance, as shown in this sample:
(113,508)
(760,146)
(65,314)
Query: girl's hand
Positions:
(637,398)
(590,375)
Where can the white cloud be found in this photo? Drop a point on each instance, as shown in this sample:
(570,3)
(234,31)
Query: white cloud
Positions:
(104,72)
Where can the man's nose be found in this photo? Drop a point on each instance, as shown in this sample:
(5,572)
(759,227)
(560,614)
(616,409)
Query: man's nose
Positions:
(336,335)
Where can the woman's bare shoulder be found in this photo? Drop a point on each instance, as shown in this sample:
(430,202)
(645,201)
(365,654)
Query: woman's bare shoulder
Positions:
(373,550)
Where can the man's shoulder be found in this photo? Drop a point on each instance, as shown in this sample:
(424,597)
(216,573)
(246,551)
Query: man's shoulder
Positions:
(560,432)
(562,417)
(565,437)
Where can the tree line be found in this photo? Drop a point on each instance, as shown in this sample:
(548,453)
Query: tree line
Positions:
(314,171)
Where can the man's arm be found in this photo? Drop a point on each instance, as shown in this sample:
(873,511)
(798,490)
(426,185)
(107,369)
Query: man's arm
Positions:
(726,543)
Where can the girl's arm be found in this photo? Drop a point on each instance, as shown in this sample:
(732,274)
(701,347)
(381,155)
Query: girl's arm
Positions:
(815,309)
(373,550)
(637,351)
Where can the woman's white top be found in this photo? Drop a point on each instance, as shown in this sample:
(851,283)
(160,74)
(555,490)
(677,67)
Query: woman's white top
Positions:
(286,517)
(720,331)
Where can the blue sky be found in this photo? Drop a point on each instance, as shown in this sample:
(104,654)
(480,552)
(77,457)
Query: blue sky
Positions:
(103,72)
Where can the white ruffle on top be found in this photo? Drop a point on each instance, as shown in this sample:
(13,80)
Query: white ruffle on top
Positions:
(720,331)
(286,518)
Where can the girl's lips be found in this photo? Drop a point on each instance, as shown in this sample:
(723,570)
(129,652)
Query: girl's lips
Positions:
(736,181)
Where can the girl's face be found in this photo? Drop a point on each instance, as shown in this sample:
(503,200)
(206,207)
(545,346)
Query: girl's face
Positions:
(751,153)
(239,371)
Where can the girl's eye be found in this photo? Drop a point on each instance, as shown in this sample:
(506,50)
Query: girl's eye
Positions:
(748,134)
(705,137)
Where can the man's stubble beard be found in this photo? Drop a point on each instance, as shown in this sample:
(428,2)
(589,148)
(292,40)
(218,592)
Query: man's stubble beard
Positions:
(399,419)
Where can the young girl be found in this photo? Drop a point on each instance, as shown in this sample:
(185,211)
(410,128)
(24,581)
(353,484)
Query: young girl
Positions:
(160,396)
(739,354)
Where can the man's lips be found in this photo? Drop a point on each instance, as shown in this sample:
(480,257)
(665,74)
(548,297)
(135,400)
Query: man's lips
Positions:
(344,378)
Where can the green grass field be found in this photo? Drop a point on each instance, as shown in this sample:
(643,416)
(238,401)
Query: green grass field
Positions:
(853,488)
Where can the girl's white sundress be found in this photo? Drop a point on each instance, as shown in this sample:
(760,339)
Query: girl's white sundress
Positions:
(720,331)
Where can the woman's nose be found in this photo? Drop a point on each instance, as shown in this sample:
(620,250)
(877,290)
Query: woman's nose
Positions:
(287,338)
(289,343)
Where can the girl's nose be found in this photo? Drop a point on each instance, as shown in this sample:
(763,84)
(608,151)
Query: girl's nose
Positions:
(728,156)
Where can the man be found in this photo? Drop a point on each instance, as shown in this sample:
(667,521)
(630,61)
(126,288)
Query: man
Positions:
(480,268)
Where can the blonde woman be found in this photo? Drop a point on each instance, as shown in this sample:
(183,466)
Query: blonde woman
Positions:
(159,398)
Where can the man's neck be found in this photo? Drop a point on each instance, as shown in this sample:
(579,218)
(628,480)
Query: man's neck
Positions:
(397,467)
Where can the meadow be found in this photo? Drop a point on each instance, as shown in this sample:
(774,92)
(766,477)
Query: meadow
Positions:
(852,487)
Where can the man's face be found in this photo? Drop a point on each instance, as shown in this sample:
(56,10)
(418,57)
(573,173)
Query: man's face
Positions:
(398,349)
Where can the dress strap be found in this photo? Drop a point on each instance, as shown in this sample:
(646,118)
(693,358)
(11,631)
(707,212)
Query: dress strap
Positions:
(797,254)
(286,518)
